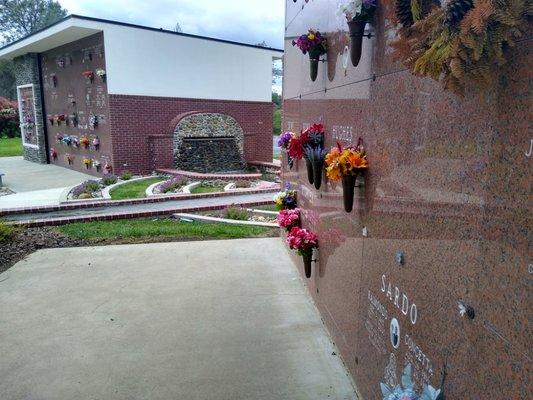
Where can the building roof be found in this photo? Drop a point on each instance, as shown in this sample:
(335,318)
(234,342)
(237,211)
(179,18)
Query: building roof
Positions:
(74,27)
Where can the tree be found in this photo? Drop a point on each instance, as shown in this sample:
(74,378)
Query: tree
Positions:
(19,18)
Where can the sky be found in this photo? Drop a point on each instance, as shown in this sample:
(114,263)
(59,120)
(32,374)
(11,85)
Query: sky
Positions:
(247,21)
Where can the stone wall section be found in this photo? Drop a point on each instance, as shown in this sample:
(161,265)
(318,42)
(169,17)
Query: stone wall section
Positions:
(27,72)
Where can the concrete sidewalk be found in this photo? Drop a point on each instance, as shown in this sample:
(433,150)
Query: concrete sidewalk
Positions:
(35,184)
(211,320)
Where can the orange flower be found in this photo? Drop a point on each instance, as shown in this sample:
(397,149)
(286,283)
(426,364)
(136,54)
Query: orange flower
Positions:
(356,160)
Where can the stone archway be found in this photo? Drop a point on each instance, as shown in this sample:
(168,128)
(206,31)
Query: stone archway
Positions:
(208,142)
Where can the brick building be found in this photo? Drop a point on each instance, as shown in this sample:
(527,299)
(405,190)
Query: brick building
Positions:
(97,95)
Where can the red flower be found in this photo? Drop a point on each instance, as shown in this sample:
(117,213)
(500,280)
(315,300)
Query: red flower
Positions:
(296,149)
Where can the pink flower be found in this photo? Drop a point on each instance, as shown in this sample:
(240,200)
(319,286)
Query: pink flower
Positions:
(302,239)
(289,218)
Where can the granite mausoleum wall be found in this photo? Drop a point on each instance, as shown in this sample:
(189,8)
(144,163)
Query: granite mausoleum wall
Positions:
(141,123)
(26,73)
(448,189)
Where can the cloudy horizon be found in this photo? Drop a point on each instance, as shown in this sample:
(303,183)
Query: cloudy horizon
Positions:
(247,21)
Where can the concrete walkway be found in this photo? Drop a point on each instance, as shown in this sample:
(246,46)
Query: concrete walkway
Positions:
(220,320)
(35,184)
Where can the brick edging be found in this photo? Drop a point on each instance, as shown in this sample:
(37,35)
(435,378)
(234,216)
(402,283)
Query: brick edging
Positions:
(126,215)
(152,199)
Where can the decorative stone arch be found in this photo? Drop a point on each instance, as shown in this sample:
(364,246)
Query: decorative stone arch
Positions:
(207,142)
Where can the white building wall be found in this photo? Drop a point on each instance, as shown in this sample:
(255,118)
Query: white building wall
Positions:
(149,63)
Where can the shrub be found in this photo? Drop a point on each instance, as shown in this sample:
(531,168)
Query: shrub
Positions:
(126,176)
(239,214)
(243,183)
(6,231)
(109,179)
(172,184)
(9,118)
(86,188)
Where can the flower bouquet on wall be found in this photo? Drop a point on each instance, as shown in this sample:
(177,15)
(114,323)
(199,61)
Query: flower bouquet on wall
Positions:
(53,154)
(316,45)
(96,143)
(303,241)
(60,118)
(101,74)
(108,168)
(345,164)
(286,200)
(69,158)
(97,165)
(312,141)
(89,76)
(283,143)
(289,219)
(406,390)
(67,140)
(357,13)
(93,121)
(59,138)
(85,142)
(87,162)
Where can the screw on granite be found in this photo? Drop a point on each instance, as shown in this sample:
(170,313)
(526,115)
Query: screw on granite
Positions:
(400,257)
(466,310)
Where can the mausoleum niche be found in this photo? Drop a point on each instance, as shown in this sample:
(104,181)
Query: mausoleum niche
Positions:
(208,142)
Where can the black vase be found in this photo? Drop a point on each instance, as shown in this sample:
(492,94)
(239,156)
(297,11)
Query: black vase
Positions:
(317,173)
(313,68)
(310,175)
(348,186)
(357,29)
(307,263)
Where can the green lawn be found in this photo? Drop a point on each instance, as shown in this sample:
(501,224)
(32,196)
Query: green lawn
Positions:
(134,190)
(161,228)
(269,207)
(10,147)
(207,189)
(277,122)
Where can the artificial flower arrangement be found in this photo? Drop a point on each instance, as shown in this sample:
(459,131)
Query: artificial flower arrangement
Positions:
(288,219)
(93,121)
(314,43)
(69,158)
(357,13)
(67,140)
(53,154)
(89,75)
(51,120)
(101,73)
(108,168)
(283,143)
(96,143)
(312,142)
(75,141)
(85,142)
(97,165)
(406,390)
(60,118)
(286,200)
(59,137)
(74,119)
(345,164)
(303,241)
(61,62)
(87,162)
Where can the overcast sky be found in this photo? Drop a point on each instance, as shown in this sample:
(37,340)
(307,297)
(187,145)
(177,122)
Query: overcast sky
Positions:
(248,21)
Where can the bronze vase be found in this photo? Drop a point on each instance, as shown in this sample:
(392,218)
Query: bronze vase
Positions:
(313,65)
(357,29)
(309,166)
(308,257)
(317,173)
(348,186)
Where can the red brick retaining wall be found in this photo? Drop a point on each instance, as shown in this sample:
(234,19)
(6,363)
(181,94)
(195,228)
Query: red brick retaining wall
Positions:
(140,128)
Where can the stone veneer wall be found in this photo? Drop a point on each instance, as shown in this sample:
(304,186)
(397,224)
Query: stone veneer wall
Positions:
(193,151)
(142,128)
(27,72)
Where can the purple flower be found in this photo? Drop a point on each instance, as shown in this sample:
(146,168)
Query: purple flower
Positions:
(284,139)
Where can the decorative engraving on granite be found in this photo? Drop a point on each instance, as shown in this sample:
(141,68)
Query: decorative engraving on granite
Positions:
(390,377)
(208,142)
(528,154)
(377,315)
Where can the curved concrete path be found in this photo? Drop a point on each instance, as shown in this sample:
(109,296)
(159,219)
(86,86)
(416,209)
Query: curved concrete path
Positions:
(210,320)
